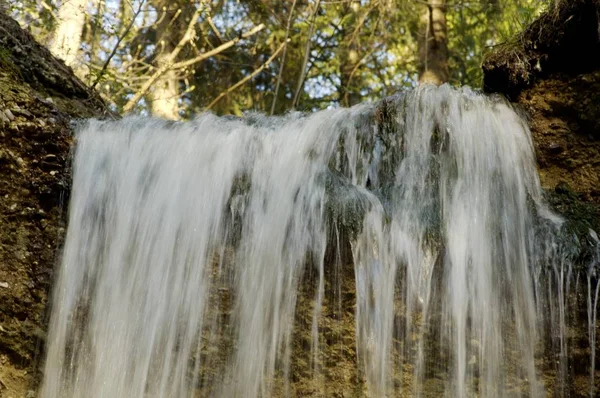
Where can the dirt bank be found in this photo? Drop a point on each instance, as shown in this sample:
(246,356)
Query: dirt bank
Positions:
(39,98)
(552,71)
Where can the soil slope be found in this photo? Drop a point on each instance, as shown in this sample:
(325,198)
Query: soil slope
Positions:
(552,69)
(552,72)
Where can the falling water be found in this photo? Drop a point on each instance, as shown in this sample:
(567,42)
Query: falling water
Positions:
(194,249)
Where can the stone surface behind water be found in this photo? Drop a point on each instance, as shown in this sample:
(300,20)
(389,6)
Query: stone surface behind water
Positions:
(402,248)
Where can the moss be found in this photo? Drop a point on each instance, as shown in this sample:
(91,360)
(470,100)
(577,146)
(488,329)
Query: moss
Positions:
(580,217)
(6,62)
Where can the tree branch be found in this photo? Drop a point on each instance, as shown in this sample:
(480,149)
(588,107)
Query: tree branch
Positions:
(116,47)
(217,50)
(287,34)
(306,55)
(187,37)
(171,64)
(250,76)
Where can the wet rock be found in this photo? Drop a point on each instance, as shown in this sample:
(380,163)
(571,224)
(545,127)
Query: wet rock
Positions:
(3,118)
(22,112)
(562,188)
(30,194)
(555,148)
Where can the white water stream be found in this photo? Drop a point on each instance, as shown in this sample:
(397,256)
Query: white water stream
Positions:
(187,244)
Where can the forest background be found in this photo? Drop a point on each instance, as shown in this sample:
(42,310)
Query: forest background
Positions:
(177,58)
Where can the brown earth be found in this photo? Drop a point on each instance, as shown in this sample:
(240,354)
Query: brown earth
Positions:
(565,123)
(39,99)
(552,71)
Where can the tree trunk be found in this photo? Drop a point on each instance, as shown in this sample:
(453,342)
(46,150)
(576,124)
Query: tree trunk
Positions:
(433,44)
(67,36)
(165,94)
(349,58)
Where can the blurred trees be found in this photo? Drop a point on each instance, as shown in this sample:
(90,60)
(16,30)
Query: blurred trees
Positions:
(67,33)
(176,58)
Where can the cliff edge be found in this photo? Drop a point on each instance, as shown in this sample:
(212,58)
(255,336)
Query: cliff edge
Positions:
(39,99)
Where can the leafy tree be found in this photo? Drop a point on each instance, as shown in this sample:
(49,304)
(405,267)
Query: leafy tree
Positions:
(178,58)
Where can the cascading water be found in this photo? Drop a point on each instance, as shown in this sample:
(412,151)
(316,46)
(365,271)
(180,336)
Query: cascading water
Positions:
(195,250)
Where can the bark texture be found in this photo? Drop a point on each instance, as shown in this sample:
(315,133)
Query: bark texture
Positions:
(349,60)
(433,44)
(165,94)
(67,36)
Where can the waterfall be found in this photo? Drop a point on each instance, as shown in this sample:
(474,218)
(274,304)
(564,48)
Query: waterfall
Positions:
(397,248)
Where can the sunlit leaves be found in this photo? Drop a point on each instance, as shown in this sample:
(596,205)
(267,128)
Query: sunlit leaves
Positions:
(360,50)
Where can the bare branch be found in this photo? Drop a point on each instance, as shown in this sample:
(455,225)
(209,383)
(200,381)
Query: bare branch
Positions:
(170,60)
(217,50)
(214,28)
(170,63)
(282,64)
(306,55)
(116,47)
(250,76)
(49,9)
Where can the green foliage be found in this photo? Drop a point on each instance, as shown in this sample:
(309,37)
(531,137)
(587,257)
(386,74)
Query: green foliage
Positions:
(477,28)
(6,62)
(360,50)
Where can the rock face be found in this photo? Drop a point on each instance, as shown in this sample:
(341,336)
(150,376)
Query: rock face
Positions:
(552,69)
(544,70)
(552,72)
(39,99)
